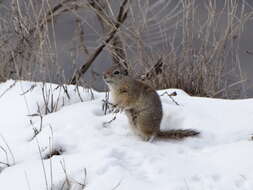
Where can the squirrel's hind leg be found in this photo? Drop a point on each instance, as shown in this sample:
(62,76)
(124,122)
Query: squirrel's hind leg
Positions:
(148,138)
(152,138)
(147,134)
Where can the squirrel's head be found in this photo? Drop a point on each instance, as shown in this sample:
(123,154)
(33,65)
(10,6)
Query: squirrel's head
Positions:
(115,75)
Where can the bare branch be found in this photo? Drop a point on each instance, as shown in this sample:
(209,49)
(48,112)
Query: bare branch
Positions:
(111,35)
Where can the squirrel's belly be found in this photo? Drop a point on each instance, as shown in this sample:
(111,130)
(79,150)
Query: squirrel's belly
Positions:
(115,98)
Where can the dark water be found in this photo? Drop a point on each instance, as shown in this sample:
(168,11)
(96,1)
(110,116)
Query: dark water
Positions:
(65,28)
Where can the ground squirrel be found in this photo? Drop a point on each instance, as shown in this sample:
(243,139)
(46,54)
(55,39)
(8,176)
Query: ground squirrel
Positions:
(141,104)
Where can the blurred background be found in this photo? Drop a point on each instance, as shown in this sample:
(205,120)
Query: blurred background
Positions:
(205,47)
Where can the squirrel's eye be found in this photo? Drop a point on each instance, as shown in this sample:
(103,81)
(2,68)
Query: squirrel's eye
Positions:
(116,72)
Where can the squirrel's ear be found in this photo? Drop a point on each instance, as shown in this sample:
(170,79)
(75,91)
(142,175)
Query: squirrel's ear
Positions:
(125,72)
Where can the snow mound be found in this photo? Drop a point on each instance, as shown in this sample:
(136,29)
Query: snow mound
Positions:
(67,142)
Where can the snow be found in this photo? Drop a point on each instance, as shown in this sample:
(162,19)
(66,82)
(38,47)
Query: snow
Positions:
(106,157)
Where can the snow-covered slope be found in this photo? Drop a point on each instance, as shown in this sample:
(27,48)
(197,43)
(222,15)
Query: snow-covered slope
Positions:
(106,157)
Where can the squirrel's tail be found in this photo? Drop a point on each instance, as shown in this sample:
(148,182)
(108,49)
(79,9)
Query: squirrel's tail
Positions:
(177,133)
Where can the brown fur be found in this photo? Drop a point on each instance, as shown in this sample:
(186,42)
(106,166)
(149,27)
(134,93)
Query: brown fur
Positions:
(141,104)
(177,133)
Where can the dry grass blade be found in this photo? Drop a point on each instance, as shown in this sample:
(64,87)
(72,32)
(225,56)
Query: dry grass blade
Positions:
(154,71)
(171,97)
(10,87)
(9,149)
(43,164)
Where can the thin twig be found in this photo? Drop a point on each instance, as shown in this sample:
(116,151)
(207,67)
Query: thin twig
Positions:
(43,165)
(109,106)
(65,172)
(8,165)
(6,154)
(27,181)
(29,90)
(106,124)
(10,87)
(171,96)
(154,71)
(78,92)
(229,86)
(117,185)
(9,149)
(93,56)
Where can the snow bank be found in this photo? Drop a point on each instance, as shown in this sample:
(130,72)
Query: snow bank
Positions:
(106,157)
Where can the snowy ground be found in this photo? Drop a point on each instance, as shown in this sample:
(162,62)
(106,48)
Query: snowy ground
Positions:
(111,157)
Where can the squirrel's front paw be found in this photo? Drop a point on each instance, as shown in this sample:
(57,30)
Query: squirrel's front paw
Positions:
(110,107)
(116,110)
